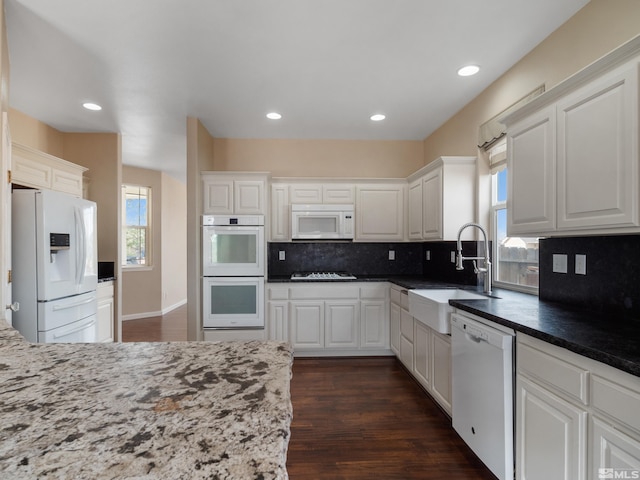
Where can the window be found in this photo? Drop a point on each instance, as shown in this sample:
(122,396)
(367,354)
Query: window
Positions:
(515,258)
(136,233)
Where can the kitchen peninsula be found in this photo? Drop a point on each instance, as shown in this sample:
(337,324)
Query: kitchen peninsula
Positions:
(154,410)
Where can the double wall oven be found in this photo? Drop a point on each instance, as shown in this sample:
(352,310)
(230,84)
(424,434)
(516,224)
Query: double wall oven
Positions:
(233,258)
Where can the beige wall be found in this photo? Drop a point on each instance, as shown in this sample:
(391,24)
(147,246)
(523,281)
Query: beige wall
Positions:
(199,157)
(36,134)
(174,242)
(319,158)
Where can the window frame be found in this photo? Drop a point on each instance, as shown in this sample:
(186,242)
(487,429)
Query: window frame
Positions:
(148,265)
(496,206)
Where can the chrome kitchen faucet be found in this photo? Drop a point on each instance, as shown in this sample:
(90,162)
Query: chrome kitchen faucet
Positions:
(487,261)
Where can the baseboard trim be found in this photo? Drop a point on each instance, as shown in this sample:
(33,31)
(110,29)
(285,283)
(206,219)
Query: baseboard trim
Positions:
(164,311)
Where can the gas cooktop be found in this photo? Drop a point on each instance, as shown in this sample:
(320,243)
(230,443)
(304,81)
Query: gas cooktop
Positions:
(322,276)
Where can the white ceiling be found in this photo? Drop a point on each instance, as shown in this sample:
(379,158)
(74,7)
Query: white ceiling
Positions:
(326,65)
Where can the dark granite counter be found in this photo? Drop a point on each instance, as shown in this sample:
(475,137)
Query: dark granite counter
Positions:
(174,410)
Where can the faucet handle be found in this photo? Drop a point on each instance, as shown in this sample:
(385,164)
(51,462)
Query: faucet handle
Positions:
(477,269)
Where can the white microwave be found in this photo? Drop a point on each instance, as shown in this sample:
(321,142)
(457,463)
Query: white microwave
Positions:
(322,222)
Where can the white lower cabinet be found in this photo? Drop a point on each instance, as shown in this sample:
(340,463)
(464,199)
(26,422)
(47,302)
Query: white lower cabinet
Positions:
(321,319)
(394,333)
(106,312)
(576,418)
(551,435)
(424,352)
(422,349)
(440,355)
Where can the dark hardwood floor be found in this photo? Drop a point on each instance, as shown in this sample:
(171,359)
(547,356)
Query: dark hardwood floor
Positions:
(354,418)
(368,419)
(171,327)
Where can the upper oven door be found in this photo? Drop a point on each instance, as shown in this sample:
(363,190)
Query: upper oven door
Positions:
(232,251)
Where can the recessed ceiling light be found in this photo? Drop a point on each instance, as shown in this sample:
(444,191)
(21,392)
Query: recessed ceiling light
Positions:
(274,116)
(377,117)
(92,106)
(468,70)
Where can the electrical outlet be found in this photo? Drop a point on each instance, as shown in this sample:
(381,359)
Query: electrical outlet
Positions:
(392,254)
(281,255)
(581,264)
(559,263)
(453,257)
(428,255)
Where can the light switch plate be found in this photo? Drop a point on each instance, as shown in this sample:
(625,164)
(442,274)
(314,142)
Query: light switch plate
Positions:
(581,264)
(453,257)
(428,255)
(392,254)
(281,255)
(560,263)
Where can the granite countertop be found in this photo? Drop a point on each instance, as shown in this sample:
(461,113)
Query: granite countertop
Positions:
(179,410)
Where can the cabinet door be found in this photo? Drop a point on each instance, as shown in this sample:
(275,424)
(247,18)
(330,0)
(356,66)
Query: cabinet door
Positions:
(105,314)
(374,331)
(432,205)
(415,210)
(441,373)
(341,324)
(338,194)
(531,163)
(598,153)
(67,182)
(306,193)
(248,197)
(278,321)
(422,347)
(379,212)
(280,213)
(550,435)
(394,328)
(307,325)
(30,173)
(217,196)
(406,352)
(612,449)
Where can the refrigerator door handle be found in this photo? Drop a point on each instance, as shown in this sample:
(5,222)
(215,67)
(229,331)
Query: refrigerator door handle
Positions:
(81,251)
(57,308)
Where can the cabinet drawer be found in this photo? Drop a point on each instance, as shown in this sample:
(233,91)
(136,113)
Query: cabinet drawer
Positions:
(278,293)
(374,292)
(404,299)
(558,373)
(615,400)
(315,292)
(406,325)
(395,296)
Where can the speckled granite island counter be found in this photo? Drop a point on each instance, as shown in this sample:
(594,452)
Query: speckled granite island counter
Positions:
(144,410)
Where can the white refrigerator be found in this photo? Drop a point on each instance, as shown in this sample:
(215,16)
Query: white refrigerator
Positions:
(54,266)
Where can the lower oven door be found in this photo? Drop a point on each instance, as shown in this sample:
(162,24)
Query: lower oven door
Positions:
(233,302)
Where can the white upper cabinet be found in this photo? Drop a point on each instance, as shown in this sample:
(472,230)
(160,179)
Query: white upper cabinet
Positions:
(532,178)
(380,211)
(234,193)
(598,152)
(328,192)
(36,169)
(573,153)
(442,198)
(414,210)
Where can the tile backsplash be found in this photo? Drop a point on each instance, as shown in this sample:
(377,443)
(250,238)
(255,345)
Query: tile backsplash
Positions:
(372,259)
(612,280)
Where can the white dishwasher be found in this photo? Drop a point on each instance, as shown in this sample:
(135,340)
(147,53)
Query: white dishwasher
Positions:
(482,390)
